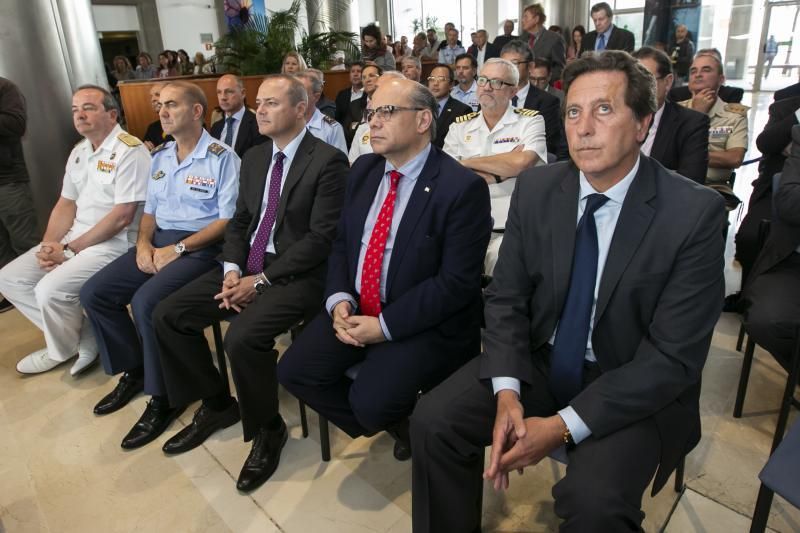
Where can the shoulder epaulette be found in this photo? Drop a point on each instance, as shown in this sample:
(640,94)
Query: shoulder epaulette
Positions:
(129,140)
(466,118)
(216,149)
(525,112)
(160,147)
(329,120)
(739,109)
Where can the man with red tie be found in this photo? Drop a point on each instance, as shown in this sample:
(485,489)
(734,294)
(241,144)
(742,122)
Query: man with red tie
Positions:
(290,195)
(403,295)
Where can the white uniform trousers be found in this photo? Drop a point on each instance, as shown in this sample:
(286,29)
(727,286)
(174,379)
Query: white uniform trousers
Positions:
(51,299)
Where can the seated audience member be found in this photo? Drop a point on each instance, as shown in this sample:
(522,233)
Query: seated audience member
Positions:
(349,103)
(729,95)
(166,65)
(431,51)
(361,144)
(452,48)
(420,49)
(326,107)
(372,51)
(508,35)
(321,126)
(145,69)
(540,78)
(592,341)
(154,135)
(483,49)
(443,44)
(122,69)
(543,43)
(338,61)
(293,63)
(678,137)
(276,245)
(185,66)
(529,96)
(466,90)
(190,197)
(498,142)
(440,82)
(727,138)
(104,183)
(606,35)
(411,68)
(237,128)
(772,294)
(574,47)
(403,294)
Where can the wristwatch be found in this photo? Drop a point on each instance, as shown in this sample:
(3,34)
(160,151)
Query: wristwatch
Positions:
(68,252)
(260,283)
(180,248)
(569,442)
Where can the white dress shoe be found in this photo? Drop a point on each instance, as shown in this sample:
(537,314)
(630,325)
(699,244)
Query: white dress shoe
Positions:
(83,362)
(36,363)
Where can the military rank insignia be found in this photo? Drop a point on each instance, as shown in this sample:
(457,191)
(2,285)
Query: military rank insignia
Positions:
(216,149)
(106,166)
(200,181)
(365,138)
(128,139)
(158,175)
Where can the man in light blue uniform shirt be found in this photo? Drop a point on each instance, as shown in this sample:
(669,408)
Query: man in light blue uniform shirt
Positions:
(321,126)
(466,91)
(190,197)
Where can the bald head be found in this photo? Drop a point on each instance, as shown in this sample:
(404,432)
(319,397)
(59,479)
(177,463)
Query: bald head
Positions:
(230,94)
(402,119)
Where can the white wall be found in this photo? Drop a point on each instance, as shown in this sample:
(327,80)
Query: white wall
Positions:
(182,22)
(366,12)
(115,18)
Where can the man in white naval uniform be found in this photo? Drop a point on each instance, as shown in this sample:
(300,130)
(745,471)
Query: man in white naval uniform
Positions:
(104,184)
(498,142)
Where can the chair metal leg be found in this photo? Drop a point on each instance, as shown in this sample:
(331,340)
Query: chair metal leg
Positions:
(788,395)
(324,439)
(219,347)
(303,418)
(761,511)
(679,485)
(740,338)
(747,362)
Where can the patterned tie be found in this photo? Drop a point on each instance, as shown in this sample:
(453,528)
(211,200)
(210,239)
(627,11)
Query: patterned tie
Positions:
(531,41)
(229,131)
(601,42)
(569,348)
(255,259)
(373,259)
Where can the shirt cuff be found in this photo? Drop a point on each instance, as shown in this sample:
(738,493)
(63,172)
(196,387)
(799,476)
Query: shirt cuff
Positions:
(230,267)
(504,383)
(385,328)
(337,297)
(577,427)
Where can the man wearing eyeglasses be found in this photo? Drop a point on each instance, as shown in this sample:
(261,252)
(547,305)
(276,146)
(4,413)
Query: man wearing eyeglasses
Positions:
(440,82)
(403,295)
(498,142)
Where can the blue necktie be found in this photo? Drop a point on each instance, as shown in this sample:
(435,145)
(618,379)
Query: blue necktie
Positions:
(569,348)
(601,42)
(229,130)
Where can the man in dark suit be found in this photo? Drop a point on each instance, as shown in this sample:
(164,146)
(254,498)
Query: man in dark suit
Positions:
(440,82)
(678,136)
(543,43)
(154,135)
(606,35)
(238,127)
(403,294)
(772,293)
(531,97)
(787,92)
(483,49)
(276,245)
(508,35)
(595,337)
(345,96)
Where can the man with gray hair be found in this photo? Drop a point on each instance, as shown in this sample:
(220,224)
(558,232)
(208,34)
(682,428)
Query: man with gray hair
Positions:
(321,126)
(411,68)
(498,142)
(328,107)
(104,184)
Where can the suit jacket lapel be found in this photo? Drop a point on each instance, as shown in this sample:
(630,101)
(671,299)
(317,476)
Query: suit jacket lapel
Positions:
(565,216)
(260,169)
(301,160)
(244,132)
(633,222)
(664,133)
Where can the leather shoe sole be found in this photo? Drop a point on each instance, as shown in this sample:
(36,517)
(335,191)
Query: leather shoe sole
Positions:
(118,398)
(251,479)
(138,437)
(194,434)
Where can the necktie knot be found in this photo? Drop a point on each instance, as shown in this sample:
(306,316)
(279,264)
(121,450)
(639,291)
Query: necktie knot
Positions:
(395,176)
(229,121)
(279,157)
(593,203)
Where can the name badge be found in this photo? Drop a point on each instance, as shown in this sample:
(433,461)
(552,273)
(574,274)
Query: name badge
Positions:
(503,140)
(106,166)
(201,181)
(158,175)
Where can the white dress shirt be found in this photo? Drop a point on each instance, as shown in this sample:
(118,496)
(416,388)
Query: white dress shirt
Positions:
(647,146)
(237,121)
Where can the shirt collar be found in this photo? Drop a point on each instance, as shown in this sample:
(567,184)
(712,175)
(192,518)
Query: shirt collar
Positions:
(413,168)
(291,149)
(522,95)
(315,121)
(615,194)
(239,114)
(717,108)
(108,143)
(200,149)
(472,88)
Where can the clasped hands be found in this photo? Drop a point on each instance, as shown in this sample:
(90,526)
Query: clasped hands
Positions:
(50,255)
(237,292)
(151,260)
(355,330)
(518,442)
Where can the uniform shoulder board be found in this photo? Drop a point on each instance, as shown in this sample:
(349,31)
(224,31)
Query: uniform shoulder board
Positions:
(739,109)
(466,118)
(216,149)
(160,147)
(525,112)
(329,120)
(129,140)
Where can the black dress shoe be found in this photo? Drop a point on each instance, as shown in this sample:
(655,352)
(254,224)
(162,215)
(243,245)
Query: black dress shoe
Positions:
(118,398)
(205,422)
(155,419)
(263,459)
(402,440)
(5,305)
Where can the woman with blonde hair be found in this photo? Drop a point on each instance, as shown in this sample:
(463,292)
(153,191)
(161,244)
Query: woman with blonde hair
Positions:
(122,69)
(293,63)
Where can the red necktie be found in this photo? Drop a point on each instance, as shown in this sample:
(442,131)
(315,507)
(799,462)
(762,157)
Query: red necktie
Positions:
(532,41)
(373,259)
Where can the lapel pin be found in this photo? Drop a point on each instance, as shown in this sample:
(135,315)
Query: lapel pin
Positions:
(427,189)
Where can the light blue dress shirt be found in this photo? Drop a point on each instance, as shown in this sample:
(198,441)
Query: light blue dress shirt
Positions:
(190,194)
(448,54)
(405,187)
(605,219)
(607,36)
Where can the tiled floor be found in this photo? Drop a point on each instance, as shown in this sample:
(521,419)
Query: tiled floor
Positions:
(62,470)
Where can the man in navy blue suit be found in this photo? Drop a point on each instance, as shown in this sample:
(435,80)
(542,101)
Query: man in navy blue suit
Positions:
(403,291)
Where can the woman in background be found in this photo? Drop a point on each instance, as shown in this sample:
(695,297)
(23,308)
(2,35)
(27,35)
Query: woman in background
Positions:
(293,63)
(145,69)
(575,43)
(166,69)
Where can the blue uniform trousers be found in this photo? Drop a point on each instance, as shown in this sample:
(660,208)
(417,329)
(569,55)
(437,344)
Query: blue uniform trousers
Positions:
(126,343)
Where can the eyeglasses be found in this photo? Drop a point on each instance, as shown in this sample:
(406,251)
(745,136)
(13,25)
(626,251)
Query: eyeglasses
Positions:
(385,112)
(438,78)
(494,83)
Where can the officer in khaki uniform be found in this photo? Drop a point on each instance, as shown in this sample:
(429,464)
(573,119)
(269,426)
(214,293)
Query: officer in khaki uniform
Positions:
(727,138)
(104,184)
(498,142)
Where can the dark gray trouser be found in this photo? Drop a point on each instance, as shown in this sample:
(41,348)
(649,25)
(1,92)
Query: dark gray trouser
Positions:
(19,231)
